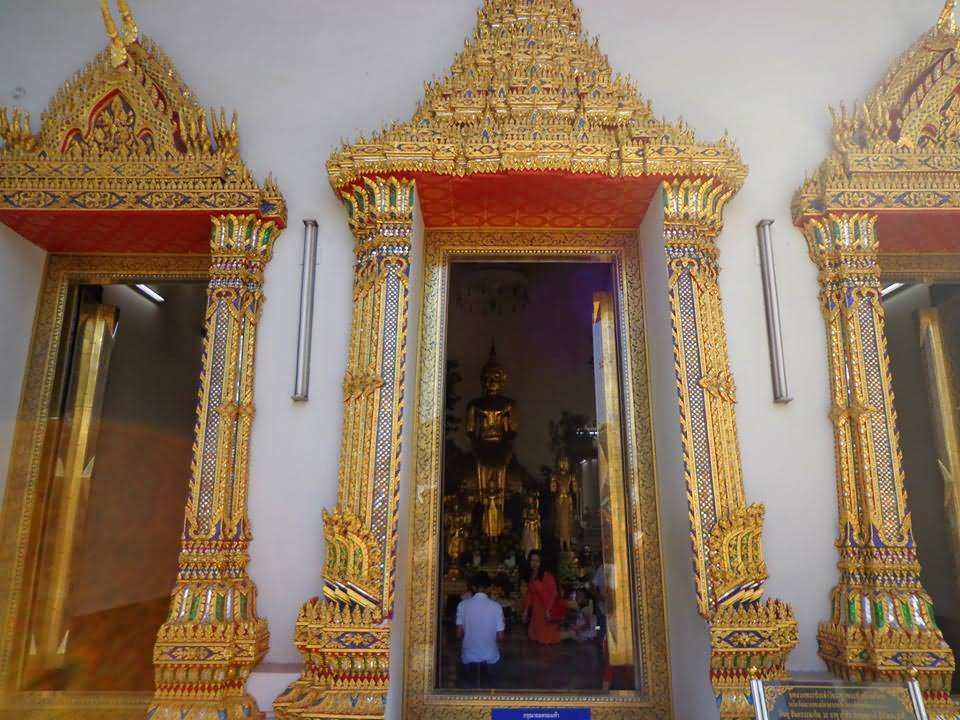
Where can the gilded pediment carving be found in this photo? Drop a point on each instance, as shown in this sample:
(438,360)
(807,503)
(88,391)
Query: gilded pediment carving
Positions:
(123,125)
(531,91)
(900,149)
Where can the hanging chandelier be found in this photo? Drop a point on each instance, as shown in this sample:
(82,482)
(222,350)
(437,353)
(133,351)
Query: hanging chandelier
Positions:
(493,291)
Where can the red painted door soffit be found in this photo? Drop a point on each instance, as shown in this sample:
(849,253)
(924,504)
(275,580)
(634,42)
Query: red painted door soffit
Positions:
(928,231)
(113,231)
(534,200)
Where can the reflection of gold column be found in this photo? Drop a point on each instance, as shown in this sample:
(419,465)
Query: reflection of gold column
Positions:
(613,506)
(942,392)
(883,623)
(728,554)
(345,637)
(70,489)
(213,637)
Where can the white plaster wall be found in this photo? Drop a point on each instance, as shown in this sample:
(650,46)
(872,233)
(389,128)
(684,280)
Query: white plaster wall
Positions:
(304,74)
(21,271)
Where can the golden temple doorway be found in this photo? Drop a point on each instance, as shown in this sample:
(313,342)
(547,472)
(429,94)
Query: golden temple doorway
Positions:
(124,524)
(528,154)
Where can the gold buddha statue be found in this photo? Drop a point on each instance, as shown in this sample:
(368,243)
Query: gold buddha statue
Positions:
(563,485)
(531,539)
(457,519)
(491,429)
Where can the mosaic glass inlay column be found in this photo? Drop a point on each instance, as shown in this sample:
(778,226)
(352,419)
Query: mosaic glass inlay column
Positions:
(729,567)
(213,637)
(345,634)
(882,625)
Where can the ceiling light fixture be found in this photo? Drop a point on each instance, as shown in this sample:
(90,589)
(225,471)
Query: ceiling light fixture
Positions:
(149,293)
(890,289)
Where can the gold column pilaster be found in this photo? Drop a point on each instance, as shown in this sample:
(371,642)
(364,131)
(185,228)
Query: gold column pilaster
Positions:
(746,635)
(882,626)
(213,637)
(345,635)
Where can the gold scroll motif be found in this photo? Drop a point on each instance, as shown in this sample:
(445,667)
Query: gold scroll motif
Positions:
(126,133)
(726,533)
(213,636)
(940,363)
(345,635)
(883,624)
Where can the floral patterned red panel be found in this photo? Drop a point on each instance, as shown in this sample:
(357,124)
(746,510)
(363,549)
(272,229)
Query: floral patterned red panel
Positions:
(91,231)
(534,199)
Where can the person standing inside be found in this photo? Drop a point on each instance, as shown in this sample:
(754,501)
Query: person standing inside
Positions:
(479,626)
(543,606)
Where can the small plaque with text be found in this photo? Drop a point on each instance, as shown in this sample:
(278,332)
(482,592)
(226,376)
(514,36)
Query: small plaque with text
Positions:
(540,714)
(791,700)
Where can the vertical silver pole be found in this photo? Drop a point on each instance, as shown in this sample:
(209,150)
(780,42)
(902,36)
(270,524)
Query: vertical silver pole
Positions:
(759,702)
(771,301)
(916,694)
(308,278)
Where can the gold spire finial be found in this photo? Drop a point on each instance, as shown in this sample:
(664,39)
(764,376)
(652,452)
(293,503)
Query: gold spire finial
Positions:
(118,51)
(130,30)
(948,21)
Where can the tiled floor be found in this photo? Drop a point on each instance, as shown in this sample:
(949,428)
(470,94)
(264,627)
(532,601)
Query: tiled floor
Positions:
(526,665)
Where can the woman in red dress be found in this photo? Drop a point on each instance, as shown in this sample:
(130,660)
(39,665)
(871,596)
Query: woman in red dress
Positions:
(541,597)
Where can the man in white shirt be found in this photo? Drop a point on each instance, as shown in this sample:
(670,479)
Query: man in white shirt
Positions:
(479,626)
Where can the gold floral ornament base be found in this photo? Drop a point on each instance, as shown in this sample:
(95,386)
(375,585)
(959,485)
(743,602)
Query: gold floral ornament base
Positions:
(345,635)
(747,638)
(749,641)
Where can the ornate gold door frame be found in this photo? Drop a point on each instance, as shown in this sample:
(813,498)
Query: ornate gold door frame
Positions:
(883,204)
(27,476)
(557,142)
(127,160)
(422,700)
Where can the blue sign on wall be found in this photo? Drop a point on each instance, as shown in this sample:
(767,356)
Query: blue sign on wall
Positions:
(541,714)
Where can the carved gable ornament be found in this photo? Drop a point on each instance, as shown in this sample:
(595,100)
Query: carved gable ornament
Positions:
(900,150)
(531,93)
(125,134)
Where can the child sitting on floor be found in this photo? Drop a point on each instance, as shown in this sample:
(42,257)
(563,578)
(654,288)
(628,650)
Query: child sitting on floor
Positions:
(585,627)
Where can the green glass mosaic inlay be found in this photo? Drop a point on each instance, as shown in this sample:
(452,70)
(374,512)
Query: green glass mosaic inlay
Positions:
(194,607)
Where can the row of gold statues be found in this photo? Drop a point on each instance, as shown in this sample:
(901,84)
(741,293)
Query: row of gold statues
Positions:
(491,428)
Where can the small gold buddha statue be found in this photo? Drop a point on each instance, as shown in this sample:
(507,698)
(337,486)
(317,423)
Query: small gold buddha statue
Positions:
(563,485)
(457,521)
(531,538)
(491,429)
